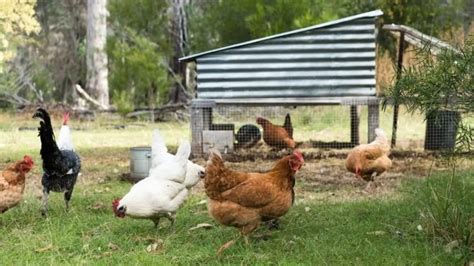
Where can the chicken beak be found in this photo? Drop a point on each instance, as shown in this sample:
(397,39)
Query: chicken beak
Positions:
(202,174)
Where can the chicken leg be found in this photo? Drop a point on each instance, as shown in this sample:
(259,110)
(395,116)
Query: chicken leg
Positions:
(244,232)
(172,218)
(44,210)
(67,198)
(156,221)
(229,244)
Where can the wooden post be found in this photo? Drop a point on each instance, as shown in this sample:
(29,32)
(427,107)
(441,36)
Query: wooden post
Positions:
(401,48)
(373,121)
(354,125)
(201,119)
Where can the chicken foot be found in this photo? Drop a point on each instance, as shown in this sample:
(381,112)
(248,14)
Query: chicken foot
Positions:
(172,218)
(67,198)
(231,243)
(156,221)
(371,184)
(273,224)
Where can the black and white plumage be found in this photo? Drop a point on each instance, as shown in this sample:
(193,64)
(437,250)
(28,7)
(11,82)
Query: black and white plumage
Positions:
(60,167)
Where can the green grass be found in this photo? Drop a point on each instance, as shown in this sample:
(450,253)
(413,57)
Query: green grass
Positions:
(366,232)
(371,231)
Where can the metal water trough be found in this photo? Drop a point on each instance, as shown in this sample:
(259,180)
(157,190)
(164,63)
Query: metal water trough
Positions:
(140,162)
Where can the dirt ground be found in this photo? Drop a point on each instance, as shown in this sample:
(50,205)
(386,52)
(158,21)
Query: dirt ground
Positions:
(324,177)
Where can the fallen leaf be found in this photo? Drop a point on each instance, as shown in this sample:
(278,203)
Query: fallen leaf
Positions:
(139,239)
(201,202)
(155,246)
(97,206)
(44,249)
(419,227)
(377,233)
(203,225)
(112,246)
(451,245)
(307,209)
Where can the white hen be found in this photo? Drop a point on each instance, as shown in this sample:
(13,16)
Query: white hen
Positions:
(64,140)
(160,155)
(159,195)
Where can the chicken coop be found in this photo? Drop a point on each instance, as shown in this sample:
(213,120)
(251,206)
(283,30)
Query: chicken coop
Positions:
(325,71)
(309,88)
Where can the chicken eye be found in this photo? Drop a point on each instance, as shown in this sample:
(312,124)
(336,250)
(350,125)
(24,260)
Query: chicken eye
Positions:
(122,208)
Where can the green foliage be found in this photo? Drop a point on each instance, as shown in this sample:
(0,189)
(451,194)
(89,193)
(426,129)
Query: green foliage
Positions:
(137,51)
(446,210)
(444,82)
(432,17)
(17,22)
(213,24)
(59,48)
(272,17)
(121,100)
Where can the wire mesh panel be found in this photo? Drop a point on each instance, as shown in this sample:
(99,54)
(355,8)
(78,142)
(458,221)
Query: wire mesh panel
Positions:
(240,128)
(283,127)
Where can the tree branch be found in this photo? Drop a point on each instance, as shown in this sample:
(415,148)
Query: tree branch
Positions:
(87,97)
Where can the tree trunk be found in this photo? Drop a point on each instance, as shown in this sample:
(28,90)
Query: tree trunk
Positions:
(97,72)
(178,32)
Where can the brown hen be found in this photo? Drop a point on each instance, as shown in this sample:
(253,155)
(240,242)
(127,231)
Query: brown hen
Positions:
(243,199)
(277,136)
(12,183)
(369,160)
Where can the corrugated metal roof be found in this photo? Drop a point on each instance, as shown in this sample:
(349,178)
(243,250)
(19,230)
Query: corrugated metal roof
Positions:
(370,14)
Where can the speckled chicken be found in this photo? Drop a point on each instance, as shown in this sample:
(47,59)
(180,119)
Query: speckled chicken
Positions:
(60,166)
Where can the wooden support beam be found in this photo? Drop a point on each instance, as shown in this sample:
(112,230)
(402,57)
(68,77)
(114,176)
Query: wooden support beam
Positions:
(355,125)
(401,50)
(372,121)
(201,119)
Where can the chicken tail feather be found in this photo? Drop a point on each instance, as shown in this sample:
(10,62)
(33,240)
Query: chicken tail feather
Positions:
(46,133)
(158,148)
(183,152)
(380,136)
(380,133)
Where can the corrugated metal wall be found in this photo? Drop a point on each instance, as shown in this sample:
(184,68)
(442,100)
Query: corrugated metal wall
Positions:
(338,60)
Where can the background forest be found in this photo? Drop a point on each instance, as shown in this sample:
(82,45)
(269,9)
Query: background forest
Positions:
(43,42)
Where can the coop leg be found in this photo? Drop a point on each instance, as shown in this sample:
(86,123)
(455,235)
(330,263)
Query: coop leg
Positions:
(373,121)
(354,125)
(201,119)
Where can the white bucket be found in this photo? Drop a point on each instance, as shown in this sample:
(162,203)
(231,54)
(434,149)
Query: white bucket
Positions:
(140,162)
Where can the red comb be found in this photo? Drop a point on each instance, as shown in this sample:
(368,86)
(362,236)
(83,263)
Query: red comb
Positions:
(65,118)
(115,204)
(27,159)
(298,155)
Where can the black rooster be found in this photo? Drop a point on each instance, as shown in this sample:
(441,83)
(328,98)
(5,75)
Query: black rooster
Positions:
(247,136)
(60,167)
